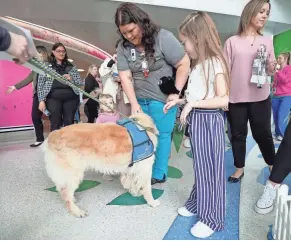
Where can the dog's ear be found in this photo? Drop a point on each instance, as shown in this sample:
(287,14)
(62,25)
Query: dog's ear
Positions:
(157,131)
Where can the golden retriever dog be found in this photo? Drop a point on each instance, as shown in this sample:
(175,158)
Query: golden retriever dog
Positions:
(105,148)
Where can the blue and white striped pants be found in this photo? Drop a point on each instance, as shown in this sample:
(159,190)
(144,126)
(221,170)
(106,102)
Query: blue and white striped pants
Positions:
(207,198)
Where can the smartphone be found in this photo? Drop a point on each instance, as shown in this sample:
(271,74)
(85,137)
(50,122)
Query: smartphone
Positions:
(46,112)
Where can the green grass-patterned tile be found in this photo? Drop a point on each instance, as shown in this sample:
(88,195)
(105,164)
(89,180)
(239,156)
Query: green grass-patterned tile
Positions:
(127,199)
(174,172)
(85,185)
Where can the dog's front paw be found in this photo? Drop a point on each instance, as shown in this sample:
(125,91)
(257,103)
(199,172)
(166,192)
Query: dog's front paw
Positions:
(81,214)
(154,203)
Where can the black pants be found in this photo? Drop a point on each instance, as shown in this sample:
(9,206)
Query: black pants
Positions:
(282,163)
(187,131)
(62,111)
(36,116)
(259,116)
(91,110)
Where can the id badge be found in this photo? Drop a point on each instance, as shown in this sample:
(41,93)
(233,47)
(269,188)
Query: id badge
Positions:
(145,68)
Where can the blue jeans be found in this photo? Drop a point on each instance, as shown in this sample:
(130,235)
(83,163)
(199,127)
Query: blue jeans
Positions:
(77,115)
(165,125)
(281,106)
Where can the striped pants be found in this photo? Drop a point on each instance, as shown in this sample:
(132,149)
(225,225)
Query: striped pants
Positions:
(207,198)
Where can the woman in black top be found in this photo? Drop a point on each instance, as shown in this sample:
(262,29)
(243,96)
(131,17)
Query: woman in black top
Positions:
(60,100)
(91,86)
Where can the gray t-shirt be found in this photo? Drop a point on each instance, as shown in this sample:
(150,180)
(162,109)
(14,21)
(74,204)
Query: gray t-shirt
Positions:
(168,53)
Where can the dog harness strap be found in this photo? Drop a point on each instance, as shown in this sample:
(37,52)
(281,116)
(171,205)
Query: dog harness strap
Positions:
(142,146)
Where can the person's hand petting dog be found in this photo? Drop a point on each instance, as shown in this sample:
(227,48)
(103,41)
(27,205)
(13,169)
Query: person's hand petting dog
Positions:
(136,109)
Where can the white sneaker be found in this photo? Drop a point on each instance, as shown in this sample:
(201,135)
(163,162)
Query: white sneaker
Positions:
(266,202)
(183,211)
(201,230)
(107,177)
(186,143)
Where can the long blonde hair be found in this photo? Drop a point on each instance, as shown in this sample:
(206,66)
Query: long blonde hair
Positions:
(250,10)
(202,32)
(43,52)
(90,69)
(287,56)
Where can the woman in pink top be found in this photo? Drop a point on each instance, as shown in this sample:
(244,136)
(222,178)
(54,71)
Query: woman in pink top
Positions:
(250,101)
(281,101)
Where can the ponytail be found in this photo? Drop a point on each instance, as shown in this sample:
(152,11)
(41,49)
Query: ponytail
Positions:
(287,55)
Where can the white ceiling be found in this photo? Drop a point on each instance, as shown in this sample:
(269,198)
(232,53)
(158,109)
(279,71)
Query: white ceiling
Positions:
(93,20)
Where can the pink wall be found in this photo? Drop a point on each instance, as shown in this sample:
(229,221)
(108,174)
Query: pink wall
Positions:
(15,109)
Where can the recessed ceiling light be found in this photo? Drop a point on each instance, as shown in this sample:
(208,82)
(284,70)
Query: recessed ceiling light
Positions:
(81,70)
(70,60)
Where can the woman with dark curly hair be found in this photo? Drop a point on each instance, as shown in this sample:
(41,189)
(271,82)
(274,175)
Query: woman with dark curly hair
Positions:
(145,54)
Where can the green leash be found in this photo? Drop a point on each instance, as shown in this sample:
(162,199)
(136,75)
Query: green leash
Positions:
(52,73)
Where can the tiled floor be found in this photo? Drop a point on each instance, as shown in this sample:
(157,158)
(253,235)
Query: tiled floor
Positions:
(28,211)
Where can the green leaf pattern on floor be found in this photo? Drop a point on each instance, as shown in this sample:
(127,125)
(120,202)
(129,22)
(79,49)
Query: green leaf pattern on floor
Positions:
(178,137)
(85,185)
(189,154)
(127,199)
(174,172)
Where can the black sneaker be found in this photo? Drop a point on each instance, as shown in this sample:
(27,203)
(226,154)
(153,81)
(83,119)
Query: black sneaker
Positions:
(36,144)
(155,181)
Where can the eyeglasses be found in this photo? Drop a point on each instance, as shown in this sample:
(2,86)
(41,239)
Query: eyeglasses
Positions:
(60,51)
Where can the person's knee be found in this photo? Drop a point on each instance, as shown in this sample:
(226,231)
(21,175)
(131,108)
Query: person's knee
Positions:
(238,136)
(262,135)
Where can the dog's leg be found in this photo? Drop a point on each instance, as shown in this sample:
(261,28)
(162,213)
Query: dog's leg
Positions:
(148,196)
(67,194)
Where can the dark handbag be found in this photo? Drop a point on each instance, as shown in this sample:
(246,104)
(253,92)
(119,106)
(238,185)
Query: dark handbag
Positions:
(167,86)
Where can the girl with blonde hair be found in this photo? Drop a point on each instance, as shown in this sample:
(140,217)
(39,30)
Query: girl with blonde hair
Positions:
(207,92)
(281,101)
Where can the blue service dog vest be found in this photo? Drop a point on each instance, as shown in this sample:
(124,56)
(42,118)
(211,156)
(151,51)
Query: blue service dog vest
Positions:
(142,146)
